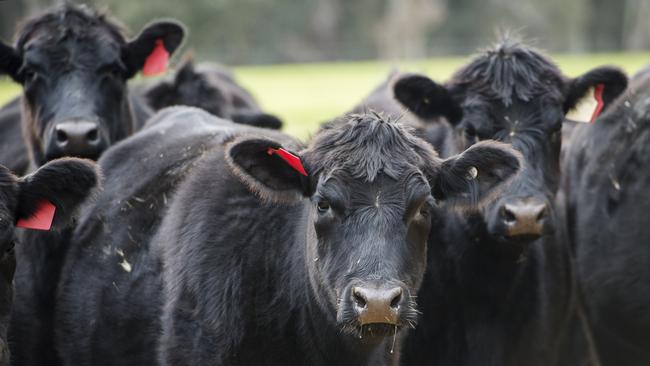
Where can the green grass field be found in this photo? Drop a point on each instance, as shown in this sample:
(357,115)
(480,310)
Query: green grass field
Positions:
(305,95)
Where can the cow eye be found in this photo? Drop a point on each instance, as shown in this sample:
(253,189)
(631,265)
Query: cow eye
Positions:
(425,208)
(29,76)
(323,206)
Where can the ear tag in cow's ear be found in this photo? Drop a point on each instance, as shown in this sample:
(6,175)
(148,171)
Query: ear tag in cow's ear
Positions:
(290,158)
(41,219)
(589,107)
(472,173)
(157,61)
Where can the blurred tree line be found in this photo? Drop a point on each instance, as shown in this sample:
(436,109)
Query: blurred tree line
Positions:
(272,31)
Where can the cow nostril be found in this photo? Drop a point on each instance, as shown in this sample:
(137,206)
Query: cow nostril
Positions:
(508,216)
(394,303)
(542,214)
(92,135)
(359,299)
(61,136)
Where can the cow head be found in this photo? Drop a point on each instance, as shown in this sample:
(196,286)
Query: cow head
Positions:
(65,183)
(213,89)
(513,94)
(369,189)
(73,65)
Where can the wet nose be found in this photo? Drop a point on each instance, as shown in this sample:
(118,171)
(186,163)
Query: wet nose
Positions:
(377,305)
(524,217)
(77,134)
(76,138)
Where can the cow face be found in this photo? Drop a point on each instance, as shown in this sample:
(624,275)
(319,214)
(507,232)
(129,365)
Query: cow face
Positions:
(65,183)
(515,95)
(369,195)
(73,65)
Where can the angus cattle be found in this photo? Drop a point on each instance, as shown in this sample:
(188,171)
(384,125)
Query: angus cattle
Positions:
(241,246)
(63,183)
(503,272)
(73,64)
(605,182)
(212,88)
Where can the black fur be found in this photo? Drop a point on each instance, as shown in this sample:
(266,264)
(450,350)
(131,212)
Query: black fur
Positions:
(605,186)
(13,152)
(212,88)
(74,65)
(225,270)
(507,299)
(75,69)
(66,183)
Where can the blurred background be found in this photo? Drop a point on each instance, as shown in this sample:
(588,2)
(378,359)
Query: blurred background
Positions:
(313,59)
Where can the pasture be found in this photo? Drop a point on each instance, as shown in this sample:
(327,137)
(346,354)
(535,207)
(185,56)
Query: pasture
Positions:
(304,95)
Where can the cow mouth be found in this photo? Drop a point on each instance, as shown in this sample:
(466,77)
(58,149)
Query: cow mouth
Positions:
(378,330)
(375,332)
(518,245)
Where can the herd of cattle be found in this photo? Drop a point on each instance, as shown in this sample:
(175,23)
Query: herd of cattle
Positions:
(465,223)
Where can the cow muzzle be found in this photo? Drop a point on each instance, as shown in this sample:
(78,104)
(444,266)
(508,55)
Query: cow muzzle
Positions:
(523,217)
(80,138)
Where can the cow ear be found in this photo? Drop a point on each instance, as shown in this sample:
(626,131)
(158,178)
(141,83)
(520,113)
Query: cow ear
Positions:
(56,189)
(477,174)
(150,50)
(161,94)
(262,120)
(10,61)
(186,72)
(427,99)
(269,170)
(587,96)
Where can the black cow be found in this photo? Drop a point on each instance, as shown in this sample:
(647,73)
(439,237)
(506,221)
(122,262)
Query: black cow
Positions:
(605,181)
(503,272)
(73,64)
(63,183)
(210,87)
(262,263)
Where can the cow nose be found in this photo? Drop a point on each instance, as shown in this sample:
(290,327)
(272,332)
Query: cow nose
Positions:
(524,217)
(76,138)
(377,305)
(77,134)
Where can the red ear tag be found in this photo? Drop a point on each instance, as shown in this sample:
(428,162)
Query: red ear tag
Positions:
(157,61)
(598,95)
(290,158)
(42,218)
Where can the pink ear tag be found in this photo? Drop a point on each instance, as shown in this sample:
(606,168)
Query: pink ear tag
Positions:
(41,219)
(157,61)
(290,158)
(598,95)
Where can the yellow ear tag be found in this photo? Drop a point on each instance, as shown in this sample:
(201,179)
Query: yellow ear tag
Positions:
(589,107)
